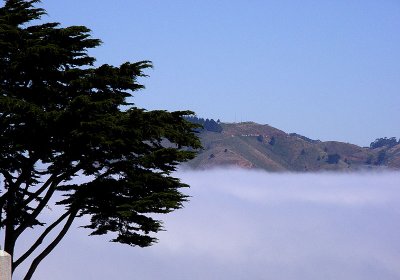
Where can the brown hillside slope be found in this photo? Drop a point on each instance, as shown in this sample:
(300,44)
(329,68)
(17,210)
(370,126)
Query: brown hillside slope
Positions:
(251,145)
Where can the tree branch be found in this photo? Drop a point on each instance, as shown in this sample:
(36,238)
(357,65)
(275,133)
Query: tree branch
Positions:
(52,245)
(39,191)
(39,240)
(53,182)
(47,184)
(8,177)
(37,210)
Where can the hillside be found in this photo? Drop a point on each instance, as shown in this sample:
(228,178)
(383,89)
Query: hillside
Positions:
(251,145)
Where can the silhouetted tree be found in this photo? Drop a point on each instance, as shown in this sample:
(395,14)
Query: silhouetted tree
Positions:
(62,118)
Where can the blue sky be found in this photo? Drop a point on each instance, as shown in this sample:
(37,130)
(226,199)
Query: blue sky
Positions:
(325,69)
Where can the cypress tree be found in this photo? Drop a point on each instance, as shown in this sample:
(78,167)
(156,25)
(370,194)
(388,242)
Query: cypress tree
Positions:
(62,118)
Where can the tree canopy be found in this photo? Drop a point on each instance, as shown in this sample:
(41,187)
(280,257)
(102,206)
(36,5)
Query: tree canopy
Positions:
(384,142)
(206,124)
(62,118)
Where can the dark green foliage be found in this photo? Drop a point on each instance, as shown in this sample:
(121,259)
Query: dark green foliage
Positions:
(384,142)
(212,125)
(272,141)
(381,158)
(209,125)
(333,158)
(61,118)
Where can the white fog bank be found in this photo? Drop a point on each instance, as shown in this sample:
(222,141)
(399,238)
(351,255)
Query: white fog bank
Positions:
(242,225)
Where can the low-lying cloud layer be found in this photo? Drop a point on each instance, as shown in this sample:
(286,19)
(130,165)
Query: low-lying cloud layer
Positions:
(256,225)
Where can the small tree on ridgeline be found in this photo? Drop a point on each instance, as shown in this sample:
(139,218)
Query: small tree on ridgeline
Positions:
(62,118)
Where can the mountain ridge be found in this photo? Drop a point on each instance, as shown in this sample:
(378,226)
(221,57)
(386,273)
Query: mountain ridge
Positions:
(260,146)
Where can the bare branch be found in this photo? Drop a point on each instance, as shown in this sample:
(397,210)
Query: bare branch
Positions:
(39,240)
(53,182)
(25,224)
(52,245)
(39,191)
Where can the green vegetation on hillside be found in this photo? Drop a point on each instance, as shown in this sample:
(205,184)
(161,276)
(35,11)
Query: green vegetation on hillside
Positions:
(384,142)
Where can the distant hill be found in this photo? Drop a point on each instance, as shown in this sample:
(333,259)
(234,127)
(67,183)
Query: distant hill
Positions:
(252,145)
